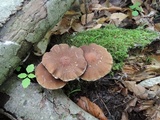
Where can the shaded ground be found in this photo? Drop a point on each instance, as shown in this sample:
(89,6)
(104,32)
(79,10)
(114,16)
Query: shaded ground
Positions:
(109,93)
(106,93)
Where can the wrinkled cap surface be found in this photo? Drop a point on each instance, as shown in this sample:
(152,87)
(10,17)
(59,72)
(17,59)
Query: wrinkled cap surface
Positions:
(46,80)
(64,62)
(99,62)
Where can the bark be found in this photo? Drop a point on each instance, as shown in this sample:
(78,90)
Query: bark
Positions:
(27,26)
(34,104)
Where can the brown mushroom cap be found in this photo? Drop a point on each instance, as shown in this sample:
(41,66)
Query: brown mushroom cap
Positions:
(46,80)
(64,62)
(99,62)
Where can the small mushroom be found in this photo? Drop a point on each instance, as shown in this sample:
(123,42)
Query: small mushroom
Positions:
(64,62)
(46,80)
(99,62)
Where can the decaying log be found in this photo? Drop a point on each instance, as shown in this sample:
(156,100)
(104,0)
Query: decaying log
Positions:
(24,25)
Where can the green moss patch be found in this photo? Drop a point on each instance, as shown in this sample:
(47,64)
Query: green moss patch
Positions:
(117,41)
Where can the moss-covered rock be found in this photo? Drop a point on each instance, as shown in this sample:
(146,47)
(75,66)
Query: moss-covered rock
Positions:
(117,41)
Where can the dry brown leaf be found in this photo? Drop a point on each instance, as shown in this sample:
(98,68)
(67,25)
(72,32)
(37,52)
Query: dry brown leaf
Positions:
(155,60)
(124,116)
(157,26)
(144,105)
(119,16)
(139,76)
(97,6)
(136,69)
(124,91)
(129,69)
(102,20)
(131,104)
(63,26)
(84,9)
(85,20)
(97,26)
(153,113)
(76,26)
(110,9)
(91,108)
(156,90)
(134,1)
(138,90)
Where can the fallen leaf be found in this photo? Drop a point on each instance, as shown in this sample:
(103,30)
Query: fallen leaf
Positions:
(144,105)
(119,16)
(153,113)
(110,9)
(86,18)
(137,89)
(135,1)
(131,104)
(93,6)
(91,108)
(77,26)
(97,26)
(155,60)
(124,116)
(63,26)
(157,26)
(129,69)
(84,8)
(102,20)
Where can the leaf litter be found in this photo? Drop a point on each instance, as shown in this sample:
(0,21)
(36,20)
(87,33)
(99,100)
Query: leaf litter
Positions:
(134,92)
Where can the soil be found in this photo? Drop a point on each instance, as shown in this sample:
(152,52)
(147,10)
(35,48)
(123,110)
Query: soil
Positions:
(105,92)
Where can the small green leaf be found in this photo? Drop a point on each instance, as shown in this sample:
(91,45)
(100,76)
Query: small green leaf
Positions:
(22,75)
(31,75)
(18,69)
(139,9)
(30,68)
(135,13)
(26,82)
(136,6)
(132,7)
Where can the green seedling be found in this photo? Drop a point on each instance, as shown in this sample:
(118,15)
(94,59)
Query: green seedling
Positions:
(27,76)
(74,91)
(18,69)
(136,8)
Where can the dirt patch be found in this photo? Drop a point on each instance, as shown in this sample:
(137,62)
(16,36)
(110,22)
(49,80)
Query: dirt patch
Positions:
(106,93)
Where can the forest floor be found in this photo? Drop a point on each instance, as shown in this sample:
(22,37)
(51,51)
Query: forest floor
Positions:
(128,94)
(121,96)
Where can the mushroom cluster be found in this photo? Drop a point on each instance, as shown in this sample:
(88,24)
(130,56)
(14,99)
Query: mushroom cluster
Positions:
(64,63)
